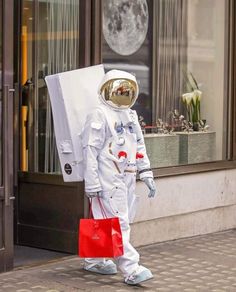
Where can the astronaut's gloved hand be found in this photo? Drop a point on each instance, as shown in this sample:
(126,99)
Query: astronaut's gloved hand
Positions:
(91,195)
(149,181)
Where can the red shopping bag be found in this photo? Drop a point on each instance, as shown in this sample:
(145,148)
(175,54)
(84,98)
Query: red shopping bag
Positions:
(100,237)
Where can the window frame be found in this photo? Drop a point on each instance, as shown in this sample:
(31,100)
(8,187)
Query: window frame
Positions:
(232,81)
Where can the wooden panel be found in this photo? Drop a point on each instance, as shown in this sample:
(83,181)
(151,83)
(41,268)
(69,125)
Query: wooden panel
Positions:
(233,107)
(196,168)
(85,33)
(48,214)
(1,223)
(43,237)
(96,30)
(51,206)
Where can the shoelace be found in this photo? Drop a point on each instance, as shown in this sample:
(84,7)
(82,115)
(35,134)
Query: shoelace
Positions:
(100,265)
(131,277)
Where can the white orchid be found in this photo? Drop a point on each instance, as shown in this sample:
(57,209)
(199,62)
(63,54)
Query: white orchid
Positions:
(187,100)
(197,95)
(192,99)
(192,103)
(187,97)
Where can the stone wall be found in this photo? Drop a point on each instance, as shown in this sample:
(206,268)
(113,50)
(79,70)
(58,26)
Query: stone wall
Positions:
(186,205)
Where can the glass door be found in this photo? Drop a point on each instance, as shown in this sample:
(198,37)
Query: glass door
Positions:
(49,43)
(6,135)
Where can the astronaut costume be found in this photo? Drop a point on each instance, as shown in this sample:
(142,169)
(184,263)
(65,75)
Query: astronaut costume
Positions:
(114,150)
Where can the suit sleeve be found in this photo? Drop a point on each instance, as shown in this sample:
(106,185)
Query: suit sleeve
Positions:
(93,139)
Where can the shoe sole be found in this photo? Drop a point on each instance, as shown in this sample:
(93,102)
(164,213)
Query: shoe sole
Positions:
(135,284)
(101,273)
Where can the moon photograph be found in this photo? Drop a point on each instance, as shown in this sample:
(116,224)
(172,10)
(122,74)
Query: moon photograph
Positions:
(125,25)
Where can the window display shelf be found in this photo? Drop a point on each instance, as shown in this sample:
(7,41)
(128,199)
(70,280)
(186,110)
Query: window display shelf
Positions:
(180,148)
(196,147)
(162,149)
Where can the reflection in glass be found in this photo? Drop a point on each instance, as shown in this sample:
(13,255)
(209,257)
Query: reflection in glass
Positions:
(119,53)
(182,102)
(121,92)
(189,90)
(52,46)
(125,25)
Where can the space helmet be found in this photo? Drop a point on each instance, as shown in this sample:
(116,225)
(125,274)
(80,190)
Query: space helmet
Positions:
(119,89)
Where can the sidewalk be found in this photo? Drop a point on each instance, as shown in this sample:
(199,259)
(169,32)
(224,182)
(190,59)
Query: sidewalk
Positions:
(203,263)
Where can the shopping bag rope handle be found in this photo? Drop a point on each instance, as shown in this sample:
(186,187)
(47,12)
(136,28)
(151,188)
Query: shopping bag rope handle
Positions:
(101,207)
(90,208)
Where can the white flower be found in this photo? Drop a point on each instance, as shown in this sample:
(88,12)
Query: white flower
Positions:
(195,98)
(197,95)
(187,97)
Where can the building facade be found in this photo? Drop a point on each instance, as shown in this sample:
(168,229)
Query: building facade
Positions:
(183,55)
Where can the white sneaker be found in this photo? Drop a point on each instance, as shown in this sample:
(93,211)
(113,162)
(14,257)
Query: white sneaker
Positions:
(142,274)
(107,268)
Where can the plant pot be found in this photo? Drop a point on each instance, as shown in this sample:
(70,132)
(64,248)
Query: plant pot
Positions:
(196,126)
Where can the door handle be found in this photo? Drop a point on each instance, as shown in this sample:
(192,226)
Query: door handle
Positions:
(7,139)
(16,133)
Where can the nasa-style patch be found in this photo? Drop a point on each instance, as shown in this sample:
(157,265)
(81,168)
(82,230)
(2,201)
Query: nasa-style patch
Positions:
(68,168)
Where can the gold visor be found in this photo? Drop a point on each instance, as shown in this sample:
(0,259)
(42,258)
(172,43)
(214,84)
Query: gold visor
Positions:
(122,92)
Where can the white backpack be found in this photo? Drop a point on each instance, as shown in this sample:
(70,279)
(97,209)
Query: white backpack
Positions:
(73,95)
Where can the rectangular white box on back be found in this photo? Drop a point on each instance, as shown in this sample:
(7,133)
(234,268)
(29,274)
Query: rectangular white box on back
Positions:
(73,95)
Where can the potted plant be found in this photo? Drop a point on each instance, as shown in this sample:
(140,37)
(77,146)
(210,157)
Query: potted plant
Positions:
(192,101)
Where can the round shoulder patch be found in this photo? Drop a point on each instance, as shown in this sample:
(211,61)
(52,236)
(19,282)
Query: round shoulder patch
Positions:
(68,168)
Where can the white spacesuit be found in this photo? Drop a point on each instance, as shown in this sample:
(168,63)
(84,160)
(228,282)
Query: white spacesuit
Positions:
(114,151)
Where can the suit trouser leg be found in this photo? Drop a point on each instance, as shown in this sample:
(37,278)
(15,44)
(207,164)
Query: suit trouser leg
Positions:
(116,205)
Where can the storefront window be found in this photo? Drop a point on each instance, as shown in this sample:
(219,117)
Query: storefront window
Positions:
(50,44)
(183,100)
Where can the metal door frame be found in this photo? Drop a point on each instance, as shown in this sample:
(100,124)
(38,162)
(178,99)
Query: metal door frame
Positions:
(6,190)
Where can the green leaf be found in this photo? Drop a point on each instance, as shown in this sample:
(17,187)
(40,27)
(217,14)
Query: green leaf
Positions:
(194,80)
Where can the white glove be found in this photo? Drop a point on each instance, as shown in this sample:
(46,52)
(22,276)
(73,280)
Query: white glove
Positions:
(151,185)
(91,195)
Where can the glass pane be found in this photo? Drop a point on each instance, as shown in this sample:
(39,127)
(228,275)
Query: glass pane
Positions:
(53,46)
(183,59)
(127,45)
(27,38)
(1,88)
(207,55)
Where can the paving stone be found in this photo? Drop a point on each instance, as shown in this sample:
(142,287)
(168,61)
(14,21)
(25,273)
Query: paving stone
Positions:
(203,263)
